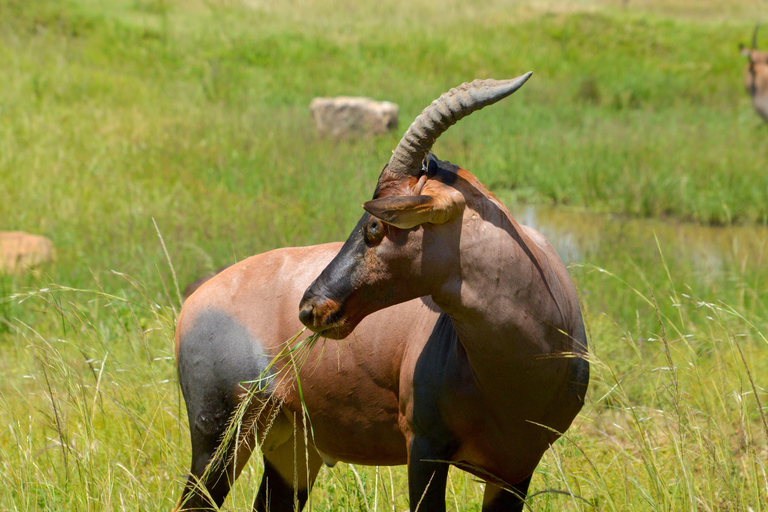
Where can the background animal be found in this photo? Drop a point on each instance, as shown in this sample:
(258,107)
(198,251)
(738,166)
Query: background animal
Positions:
(756,75)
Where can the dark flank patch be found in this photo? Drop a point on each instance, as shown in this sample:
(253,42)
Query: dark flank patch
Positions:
(215,357)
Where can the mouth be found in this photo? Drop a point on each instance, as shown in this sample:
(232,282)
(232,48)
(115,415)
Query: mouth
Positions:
(335,333)
(326,318)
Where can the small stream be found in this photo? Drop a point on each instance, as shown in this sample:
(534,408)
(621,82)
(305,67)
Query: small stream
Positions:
(579,236)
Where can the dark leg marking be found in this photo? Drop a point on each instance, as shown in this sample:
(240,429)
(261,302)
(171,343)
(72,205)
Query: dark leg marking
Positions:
(427,476)
(275,494)
(216,482)
(506,500)
(215,355)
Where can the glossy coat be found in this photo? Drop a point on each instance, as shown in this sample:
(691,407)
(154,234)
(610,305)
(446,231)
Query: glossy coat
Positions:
(504,371)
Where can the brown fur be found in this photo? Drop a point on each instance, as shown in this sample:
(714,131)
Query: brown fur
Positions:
(402,371)
(351,387)
(756,80)
(507,374)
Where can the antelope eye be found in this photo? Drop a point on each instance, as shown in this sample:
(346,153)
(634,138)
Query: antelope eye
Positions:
(374,230)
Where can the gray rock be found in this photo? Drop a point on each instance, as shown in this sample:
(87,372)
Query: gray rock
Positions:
(345,116)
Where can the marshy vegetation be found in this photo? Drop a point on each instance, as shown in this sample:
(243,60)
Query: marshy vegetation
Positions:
(155,141)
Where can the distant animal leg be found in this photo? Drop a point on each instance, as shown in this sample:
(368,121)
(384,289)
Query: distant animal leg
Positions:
(427,475)
(497,499)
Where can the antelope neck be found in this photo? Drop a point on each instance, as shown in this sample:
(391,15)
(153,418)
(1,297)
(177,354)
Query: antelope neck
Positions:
(498,297)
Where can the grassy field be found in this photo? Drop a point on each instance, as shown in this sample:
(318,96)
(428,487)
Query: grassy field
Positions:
(135,127)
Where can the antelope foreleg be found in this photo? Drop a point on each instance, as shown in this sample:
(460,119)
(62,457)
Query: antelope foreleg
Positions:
(427,476)
(497,499)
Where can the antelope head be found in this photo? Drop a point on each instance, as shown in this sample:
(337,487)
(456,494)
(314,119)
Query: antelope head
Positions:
(756,75)
(406,245)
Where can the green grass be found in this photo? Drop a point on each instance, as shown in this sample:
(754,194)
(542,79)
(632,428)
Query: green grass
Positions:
(195,115)
(168,111)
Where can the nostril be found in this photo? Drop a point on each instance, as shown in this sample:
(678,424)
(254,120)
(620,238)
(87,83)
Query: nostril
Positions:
(306,314)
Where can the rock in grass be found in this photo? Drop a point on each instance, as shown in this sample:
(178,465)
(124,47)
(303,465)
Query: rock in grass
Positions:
(21,251)
(345,116)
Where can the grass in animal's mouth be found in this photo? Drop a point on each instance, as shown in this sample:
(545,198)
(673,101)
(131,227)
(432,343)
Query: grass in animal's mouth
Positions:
(334,325)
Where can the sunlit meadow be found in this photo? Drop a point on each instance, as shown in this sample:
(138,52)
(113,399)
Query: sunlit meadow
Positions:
(156,140)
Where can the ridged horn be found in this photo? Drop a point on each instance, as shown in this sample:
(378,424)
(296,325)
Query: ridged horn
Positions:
(443,113)
(754,36)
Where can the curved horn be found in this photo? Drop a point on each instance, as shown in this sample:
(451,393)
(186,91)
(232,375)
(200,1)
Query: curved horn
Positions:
(443,113)
(754,36)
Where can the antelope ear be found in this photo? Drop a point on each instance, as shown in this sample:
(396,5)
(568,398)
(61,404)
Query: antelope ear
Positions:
(406,212)
(743,49)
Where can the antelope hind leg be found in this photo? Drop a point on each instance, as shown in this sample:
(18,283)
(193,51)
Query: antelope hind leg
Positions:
(210,480)
(290,468)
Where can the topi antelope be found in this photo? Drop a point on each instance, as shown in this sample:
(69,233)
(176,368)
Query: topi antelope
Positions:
(504,371)
(756,76)
(485,381)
